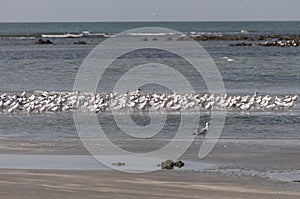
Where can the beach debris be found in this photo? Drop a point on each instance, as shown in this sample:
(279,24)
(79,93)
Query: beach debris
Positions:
(41,41)
(170,164)
(52,101)
(118,164)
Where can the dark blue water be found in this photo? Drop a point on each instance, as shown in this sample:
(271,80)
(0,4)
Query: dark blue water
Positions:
(267,70)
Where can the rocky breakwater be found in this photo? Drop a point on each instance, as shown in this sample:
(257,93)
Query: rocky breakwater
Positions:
(41,41)
(270,40)
(240,37)
(288,43)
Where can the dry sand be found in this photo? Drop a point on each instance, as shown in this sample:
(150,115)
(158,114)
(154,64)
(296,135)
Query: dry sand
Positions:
(25,184)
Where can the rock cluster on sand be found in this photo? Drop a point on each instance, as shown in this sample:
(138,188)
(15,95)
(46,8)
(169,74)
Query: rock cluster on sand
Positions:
(170,164)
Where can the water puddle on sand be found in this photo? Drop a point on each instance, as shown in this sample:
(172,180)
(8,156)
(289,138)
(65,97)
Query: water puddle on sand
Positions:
(128,164)
(283,176)
(85,162)
(286,176)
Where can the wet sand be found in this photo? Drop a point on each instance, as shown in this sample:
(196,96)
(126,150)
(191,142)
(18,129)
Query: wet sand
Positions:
(27,184)
(244,168)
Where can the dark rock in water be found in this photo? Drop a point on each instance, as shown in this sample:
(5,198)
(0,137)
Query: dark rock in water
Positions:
(241,44)
(41,41)
(260,38)
(185,38)
(145,39)
(79,42)
(244,37)
(154,39)
(170,164)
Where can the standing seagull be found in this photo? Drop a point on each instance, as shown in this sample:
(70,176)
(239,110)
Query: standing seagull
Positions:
(203,131)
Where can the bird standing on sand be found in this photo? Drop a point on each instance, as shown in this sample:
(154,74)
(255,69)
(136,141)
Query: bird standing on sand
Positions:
(203,131)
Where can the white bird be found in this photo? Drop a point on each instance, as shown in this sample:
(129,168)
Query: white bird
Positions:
(209,105)
(228,59)
(136,92)
(23,94)
(203,131)
(8,103)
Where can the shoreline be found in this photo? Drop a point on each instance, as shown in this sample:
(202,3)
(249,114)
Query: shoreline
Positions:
(242,157)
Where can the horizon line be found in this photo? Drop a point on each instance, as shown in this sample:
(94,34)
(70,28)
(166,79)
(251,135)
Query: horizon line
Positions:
(148,21)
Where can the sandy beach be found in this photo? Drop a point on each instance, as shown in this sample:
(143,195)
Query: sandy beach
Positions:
(240,169)
(27,184)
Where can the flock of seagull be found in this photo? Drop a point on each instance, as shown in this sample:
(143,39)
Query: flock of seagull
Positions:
(45,101)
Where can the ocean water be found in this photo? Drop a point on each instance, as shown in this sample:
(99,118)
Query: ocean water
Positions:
(266,70)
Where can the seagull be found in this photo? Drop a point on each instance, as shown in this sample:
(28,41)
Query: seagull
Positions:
(228,59)
(136,92)
(203,131)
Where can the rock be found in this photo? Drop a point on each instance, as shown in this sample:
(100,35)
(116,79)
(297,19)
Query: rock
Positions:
(241,44)
(186,38)
(118,164)
(244,37)
(179,164)
(260,38)
(41,41)
(79,42)
(170,164)
(281,43)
